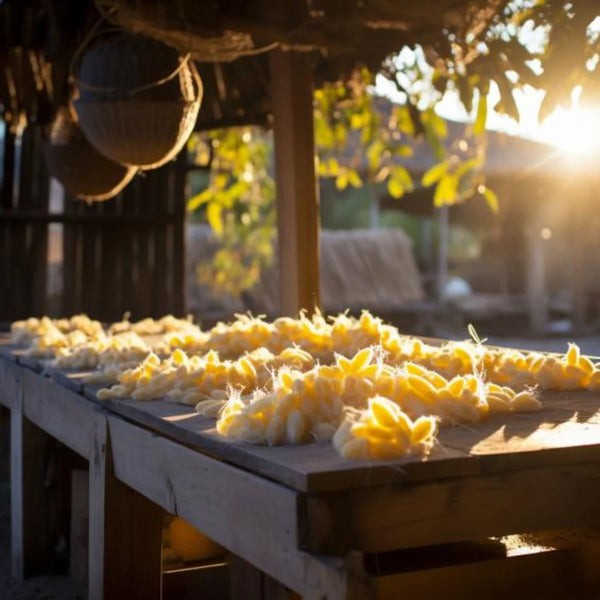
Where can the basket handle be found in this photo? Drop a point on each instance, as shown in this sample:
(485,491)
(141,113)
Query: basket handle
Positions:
(183,61)
(196,78)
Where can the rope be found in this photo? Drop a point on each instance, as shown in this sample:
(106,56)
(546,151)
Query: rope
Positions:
(107,14)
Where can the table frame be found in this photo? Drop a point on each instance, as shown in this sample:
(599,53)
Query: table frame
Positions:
(309,542)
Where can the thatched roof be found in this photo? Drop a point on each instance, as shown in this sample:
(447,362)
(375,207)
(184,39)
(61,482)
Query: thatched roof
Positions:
(228,39)
(372,269)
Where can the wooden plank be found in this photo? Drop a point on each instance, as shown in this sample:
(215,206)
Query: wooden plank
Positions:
(213,497)
(125,531)
(297,197)
(553,574)
(310,467)
(33,363)
(58,411)
(30,542)
(72,379)
(452,510)
(567,430)
(8,350)
(78,544)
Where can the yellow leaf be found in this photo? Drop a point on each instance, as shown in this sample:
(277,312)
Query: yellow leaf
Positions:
(434,174)
(395,188)
(213,215)
(480,119)
(445,192)
(491,199)
(199,199)
(341,181)
(354,178)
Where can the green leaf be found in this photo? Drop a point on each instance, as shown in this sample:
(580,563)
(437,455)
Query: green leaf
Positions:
(481,118)
(434,174)
(491,199)
(395,188)
(214,217)
(446,190)
(199,199)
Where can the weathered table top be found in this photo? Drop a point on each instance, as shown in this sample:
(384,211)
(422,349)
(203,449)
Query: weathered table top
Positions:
(565,431)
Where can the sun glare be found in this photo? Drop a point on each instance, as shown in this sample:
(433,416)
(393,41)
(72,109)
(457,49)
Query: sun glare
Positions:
(576,130)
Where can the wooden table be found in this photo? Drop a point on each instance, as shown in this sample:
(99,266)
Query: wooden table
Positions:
(319,525)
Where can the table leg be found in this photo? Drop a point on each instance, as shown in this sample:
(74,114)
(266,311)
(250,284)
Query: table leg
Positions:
(249,583)
(332,578)
(125,530)
(31,545)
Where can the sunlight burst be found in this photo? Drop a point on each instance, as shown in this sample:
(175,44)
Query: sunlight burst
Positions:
(576,130)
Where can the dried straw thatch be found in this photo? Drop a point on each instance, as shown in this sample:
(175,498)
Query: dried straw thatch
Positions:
(372,269)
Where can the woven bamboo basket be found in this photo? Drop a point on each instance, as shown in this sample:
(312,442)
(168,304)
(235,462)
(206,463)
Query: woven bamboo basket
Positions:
(78,166)
(138,100)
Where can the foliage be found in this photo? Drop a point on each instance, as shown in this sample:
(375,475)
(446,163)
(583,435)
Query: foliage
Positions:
(239,205)
(347,119)
(493,49)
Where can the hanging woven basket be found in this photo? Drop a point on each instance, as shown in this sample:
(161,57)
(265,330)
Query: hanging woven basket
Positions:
(78,166)
(138,100)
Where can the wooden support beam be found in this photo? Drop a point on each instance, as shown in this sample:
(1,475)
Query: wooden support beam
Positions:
(445,511)
(297,195)
(125,532)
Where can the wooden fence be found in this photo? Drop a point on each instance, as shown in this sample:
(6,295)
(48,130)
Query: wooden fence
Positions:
(123,254)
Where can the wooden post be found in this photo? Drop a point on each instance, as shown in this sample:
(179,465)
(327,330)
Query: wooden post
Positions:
(580,206)
(536,279)
(78,546)
(30,543)
(443,242)
(125,532)
(297,196)
(8,181)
